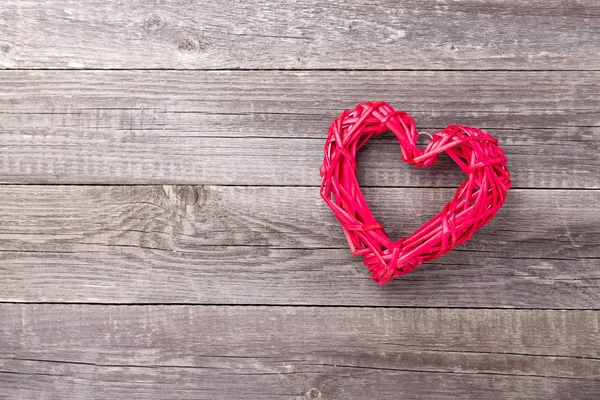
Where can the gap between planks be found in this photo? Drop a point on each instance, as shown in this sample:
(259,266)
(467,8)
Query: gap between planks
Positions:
(282,187)
(303,69)
(282,305)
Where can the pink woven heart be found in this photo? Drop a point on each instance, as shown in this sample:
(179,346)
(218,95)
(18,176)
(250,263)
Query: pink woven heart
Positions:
(474,204)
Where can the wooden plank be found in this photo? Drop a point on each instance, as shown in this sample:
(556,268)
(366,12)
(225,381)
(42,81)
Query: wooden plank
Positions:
(298,104)
(191,127)
(74,352)
(374,34)
(273,245)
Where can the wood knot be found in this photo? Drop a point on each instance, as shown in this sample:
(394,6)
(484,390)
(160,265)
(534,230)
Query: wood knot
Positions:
(186,199)
(5,48)
(313,394)
(154,23)
(189,44)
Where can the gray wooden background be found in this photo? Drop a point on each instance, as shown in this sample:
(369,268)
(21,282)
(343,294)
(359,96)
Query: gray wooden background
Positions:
(161,231)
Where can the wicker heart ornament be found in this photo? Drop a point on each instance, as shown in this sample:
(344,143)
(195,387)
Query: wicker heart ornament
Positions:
(474,204)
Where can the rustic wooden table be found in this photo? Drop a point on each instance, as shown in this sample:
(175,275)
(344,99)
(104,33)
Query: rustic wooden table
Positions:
(161,231)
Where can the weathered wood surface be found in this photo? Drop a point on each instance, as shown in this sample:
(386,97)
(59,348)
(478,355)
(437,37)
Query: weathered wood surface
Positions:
(80,352)
(191,277)
(373,34)
(268,127)
(280,245)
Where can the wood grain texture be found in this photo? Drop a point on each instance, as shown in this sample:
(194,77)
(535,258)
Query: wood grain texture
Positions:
(268,128)
(204,265)
(272,245)
(308,34)
(80,352)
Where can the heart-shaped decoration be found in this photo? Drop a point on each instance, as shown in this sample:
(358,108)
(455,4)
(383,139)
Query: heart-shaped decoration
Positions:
(474,204)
